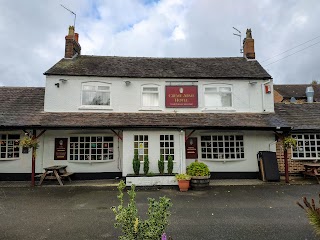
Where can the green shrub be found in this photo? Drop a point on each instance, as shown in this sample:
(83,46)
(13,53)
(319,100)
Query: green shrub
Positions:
(146,164)
(136,163)
(161,164)
(132,226)
(183,176)
(170,164)
(198,169)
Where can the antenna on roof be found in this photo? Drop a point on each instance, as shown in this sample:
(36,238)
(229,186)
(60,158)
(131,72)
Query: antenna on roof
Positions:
(239,35)
(75,16)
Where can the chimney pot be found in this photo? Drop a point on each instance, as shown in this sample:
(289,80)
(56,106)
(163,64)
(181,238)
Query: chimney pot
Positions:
(72,46)
(248,45)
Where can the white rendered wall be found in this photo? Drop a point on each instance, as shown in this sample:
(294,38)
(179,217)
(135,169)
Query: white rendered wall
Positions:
(154,150)
(246,97)
(254,141)
(77,166)
(24,163)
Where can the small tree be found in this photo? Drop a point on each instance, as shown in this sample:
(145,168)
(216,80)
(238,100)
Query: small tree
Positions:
(132,227)
(146,164)
(136,163)
(313,213)
(170,164)
(161,164)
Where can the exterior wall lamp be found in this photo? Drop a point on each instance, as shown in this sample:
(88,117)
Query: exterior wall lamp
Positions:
(127,83)
(60,80)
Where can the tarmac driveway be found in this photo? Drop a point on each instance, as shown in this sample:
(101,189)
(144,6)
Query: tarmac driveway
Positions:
(223,212)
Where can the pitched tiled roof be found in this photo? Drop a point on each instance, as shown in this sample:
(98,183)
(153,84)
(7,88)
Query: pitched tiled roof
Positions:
(297,91)
(23,107)
(143,67)
(20,106)
(299,116)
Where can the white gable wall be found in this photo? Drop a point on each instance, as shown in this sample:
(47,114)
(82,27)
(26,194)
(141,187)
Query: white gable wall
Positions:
(67,97)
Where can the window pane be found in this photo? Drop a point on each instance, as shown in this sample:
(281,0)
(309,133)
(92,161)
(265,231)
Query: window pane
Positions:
(150,99)
(103,88)
(151,89)
(212,100)
(87,87)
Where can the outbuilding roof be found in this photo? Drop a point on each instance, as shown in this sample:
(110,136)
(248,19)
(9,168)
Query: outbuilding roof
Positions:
(299,116)
(144,67)
(297,91)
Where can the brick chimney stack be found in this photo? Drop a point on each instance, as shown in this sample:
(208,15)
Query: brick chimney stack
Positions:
(248,45)
(72,45)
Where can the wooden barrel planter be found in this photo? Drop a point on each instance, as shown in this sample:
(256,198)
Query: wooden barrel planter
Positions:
(199,182)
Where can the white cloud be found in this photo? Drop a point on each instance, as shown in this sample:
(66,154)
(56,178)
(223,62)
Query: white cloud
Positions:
(32,33)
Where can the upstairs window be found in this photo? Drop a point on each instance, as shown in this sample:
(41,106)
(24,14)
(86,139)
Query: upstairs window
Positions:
(96,93)
(218,96)
(150,96)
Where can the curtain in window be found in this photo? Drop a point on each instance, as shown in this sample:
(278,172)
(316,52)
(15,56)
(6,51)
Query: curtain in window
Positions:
(150,99)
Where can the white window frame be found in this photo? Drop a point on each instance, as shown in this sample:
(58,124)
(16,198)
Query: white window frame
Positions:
(166,146)
(74,148)
(218,87)
(141,140)
(215,148)
(96,85)
(145,107)
(308,146)
(7,146)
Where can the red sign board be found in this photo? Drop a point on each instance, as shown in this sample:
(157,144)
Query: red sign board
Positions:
(181,96)
(60,148)
(191,148)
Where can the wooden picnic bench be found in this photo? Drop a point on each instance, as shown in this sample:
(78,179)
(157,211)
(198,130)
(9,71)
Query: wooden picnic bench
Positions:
(57,172)
(311,169)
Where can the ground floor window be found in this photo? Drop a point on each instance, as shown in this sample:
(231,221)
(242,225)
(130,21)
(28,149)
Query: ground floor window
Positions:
(222,147)
(91,148)
(308,146)
(167,146)
(9,146)
(141,145)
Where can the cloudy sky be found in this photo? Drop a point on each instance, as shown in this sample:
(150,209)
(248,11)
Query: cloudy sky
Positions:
(32,33)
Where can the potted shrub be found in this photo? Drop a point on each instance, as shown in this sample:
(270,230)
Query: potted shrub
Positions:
(170,164)
(183,181)
(146,165)
(161,164)
(200,175)
(136,163)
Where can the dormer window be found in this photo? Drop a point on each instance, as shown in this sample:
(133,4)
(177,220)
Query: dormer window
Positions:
(96,93)
(218,96)
(150,96)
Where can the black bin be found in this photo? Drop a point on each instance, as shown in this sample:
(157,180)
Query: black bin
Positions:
(268,166)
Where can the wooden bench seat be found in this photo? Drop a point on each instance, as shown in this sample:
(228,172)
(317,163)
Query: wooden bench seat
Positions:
(67,174)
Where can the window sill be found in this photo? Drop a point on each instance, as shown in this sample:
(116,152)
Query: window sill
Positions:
(211,109)
(9,159)
(93,107)
(224,160)
(150,109)
(306,159)
(88,162)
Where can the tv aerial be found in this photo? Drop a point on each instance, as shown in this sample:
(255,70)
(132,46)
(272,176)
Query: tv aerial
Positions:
(75,15)
(239,35)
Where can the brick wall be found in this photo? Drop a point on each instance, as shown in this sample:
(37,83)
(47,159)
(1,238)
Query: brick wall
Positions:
(295,166)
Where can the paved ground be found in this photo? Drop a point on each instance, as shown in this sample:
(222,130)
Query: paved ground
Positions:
(222,212)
